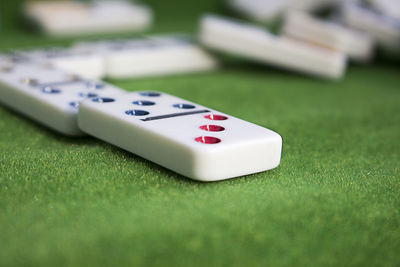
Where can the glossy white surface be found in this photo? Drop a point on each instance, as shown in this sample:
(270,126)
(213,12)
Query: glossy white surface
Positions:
(244,148)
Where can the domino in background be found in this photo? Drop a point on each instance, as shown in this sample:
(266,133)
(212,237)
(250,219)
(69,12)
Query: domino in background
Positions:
(266,11)
(46,94)
(150,56)
(125,58)
(390,8)
(385,30)
(86,64)
(259,45)
(357,45)
(64,18)
(190,139)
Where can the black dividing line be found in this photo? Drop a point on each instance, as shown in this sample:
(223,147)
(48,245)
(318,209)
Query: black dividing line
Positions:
(58,83)
(175,115)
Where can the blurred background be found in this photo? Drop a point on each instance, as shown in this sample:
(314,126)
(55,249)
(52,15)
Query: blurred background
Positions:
(169,16)
(31,24)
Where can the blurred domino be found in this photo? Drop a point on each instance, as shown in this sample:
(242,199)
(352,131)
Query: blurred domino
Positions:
(62,18)
(190,139)
(259,10)
(83,63)
(357,45)
(266,11)
(47,95)
(259,45)
(390,8)
(150,56)
(384,29)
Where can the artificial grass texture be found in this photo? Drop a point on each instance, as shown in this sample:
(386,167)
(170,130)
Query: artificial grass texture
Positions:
(334,200)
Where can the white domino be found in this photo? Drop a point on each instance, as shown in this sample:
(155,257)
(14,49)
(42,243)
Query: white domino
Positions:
(47,95)
(357,45)
(259,10)
(63,18)
(390,8)
(259,45)
(266,11)
(384,29)
(150,56)
(188,138)
(72,60)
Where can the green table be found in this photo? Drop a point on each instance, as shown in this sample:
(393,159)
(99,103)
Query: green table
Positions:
(334,200)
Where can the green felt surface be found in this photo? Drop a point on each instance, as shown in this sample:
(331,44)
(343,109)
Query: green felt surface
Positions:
(334,200)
